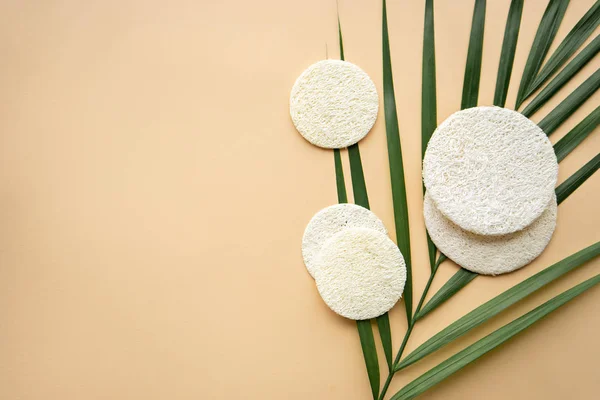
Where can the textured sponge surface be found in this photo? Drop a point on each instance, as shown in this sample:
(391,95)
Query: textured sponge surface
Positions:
(330,221)
(361,273)
(490,170)
(334,104)
(490,255)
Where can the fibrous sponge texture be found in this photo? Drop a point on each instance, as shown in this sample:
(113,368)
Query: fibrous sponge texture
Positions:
(490,170)
(334,104)
(330,221)
(361,273)
(490,255)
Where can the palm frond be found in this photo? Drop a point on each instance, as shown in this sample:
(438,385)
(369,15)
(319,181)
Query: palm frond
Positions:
(566,188)
(579,34)
(339,177)
(507,56)
(563,76)
(396,166)
(490,342)
(571,140)
(459,280)
(428,98)
(569,105)
(470,92)
(500,303)
(553,16)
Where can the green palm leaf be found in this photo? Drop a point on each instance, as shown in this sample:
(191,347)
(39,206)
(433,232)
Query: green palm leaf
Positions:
(580,32)
(396,168)
(367,342)
(385,332)
(470,92)
(428,99)
(541,43)
(357,175)
(565,189)
(572,139)
(499,303)
(507,56)
(563,76)
(459,280)
(339,177)
(490,342)
(569,105)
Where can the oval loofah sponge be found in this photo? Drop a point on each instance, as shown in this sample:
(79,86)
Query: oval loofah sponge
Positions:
(334,104)
(361,273)
(330,221)
(490,170)
(490,255)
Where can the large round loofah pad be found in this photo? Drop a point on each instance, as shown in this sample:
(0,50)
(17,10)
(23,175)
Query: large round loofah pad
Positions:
(334,104)
(330,221)
(490,255)
(490,170)
(361,273)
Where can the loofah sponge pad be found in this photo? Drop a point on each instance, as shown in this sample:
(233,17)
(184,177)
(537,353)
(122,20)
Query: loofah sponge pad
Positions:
(334,104)
(490,255)
(490,170)
(361,273)
(330,221)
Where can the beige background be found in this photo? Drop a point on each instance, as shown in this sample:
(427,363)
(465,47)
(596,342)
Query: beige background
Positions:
(153,194)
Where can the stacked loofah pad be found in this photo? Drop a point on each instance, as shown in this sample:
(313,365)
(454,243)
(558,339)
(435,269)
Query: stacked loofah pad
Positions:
(331,220)
(360,273)
(490,175)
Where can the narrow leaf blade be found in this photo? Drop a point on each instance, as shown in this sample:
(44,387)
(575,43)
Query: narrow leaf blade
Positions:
(385,332)
(339,177)
(470,92)
(367,342)
(490,342)
(565,189)
(428,89)
(572,139)
(428,98)
(500,303)
(555,11)
(431,250)
(507,56)
(569,105)
(563,76)
(396,167)
(458,281)
(580,32)
(341,40)
(359,188)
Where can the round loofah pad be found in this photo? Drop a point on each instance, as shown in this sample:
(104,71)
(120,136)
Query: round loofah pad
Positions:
(334,104)
(330,221)
(490,255)
(361,273)
(490,170)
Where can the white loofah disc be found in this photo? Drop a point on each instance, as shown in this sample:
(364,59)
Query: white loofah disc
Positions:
(334,104)
(490,255)
(330,221)
(490,170)
(361,273)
